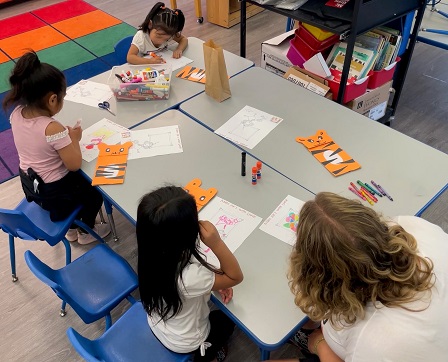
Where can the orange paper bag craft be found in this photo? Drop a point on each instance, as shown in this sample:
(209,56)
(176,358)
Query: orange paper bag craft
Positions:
(329,154)
(111,165)
(201,196)
(192,73)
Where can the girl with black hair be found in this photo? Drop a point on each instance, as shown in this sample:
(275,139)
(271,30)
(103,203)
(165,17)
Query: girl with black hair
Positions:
(160,26)
(174,279)
(49,153)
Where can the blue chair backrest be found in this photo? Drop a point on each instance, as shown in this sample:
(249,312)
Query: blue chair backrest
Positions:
(17,224)
(122,48)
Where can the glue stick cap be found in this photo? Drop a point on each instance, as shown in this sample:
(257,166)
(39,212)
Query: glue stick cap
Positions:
(259,164)
(254,169)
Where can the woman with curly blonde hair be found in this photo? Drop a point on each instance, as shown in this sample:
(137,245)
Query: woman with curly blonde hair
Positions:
(379,287)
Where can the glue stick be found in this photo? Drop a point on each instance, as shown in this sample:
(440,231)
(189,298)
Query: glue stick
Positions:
(254,175)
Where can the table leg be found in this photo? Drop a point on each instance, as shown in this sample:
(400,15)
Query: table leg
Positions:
(265,354)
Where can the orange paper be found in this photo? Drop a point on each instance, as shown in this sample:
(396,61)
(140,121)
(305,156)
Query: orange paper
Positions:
(328,153)
(201,196)
(111,164)
(192,73)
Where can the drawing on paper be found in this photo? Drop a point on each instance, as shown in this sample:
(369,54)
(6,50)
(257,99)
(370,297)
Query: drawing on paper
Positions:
(225,222)
(89,93)
(104,131)
(153,141)
(248,127)
(284,220)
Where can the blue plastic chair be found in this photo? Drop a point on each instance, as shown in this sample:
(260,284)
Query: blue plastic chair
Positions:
(122,48)
(130,339)
(92,285)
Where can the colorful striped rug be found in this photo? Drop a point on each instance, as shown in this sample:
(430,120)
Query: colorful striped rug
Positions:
(72,35)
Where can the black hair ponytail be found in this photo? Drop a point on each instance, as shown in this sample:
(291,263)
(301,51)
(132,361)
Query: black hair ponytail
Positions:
(158,7)
(181,19)
(170,21)
(32,80)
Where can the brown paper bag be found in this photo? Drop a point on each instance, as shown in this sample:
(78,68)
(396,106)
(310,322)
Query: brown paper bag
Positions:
(216,78)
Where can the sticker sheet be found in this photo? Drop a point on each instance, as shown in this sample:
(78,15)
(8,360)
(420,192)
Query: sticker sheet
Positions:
(234,225)
(103,131)
(153,142)
(248,127)
(283,221)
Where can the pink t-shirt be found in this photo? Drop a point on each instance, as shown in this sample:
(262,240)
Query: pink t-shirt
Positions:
(35,149)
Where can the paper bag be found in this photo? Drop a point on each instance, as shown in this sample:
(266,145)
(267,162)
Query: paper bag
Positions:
(216,78)
(111,164)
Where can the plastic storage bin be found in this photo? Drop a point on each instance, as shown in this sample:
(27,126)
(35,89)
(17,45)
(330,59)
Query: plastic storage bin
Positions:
(294,55)
(318,33)
(380,77)
(147,90)
(352,91)
(312,41)
(307,50)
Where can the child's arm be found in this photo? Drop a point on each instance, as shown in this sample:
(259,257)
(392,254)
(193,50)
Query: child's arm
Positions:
(229,265)
(134,58)
(71,154)
(183,43)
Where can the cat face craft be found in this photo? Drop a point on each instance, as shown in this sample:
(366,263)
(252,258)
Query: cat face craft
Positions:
(202,196)
(111,165)
(329,154)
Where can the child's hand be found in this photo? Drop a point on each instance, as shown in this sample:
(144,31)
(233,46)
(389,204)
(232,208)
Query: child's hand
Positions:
(226,295)
(209,234)
(177,54)
(75,133)
(155,59)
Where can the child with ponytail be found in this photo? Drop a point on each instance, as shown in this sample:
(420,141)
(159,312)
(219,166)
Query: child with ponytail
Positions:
(160,26)
(49,153)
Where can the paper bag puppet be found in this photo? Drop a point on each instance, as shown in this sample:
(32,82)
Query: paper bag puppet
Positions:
(216,78)
(201,196)
(328,153)
(111,165)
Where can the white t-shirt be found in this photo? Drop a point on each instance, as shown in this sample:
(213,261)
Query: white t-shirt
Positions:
(186,331)
(144,44)
(396,334)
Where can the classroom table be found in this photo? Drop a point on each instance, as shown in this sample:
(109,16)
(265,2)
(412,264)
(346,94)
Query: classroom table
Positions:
(263,305)
(131,113)
(413,173)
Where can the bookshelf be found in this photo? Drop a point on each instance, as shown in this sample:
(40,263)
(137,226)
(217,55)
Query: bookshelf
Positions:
(362,16)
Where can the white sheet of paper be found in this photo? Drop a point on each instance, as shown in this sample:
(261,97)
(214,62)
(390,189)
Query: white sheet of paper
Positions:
(153,142)
(234,225)
(103,131)
(248,127)
(282,223)
(89,93)
(175,64)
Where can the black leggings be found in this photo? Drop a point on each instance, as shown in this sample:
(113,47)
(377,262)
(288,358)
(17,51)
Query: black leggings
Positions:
(221,328)
(61,197)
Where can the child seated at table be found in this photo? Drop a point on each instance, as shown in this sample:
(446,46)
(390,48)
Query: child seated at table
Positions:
(160,26)
(176,281)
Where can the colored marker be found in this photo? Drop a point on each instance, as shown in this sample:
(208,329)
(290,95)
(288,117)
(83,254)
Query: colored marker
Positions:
(254,175)
(357,194)
(119,77)
(372,190)
(367,197)
(243,163)
(259,164)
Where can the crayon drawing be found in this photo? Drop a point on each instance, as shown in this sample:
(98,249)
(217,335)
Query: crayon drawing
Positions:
(153,142)
(167,55)
(104,131)
(248,127)
(89,93)
(283,221)
(233,223)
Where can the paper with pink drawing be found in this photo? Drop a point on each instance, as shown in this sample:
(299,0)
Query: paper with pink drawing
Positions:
(283,221)
(103,131)
(234,225)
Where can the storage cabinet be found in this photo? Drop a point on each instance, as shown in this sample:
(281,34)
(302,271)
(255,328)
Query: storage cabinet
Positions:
(227,13)
(363,16)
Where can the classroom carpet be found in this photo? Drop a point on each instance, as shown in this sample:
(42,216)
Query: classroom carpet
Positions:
(72,35)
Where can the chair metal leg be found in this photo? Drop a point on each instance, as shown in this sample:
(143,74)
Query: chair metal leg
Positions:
(12,257)
(63,312)
(102,216)
(108,207)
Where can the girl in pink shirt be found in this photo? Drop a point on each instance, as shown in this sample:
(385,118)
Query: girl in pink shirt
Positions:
(49,153)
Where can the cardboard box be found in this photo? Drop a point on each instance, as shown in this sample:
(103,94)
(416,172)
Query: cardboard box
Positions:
(273,53)
(307,80)
(373,103)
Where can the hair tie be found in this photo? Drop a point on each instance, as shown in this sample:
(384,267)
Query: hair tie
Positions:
(176,12)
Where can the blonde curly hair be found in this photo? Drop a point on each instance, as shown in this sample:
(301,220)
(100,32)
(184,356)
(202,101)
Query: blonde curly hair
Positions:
(346,256)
